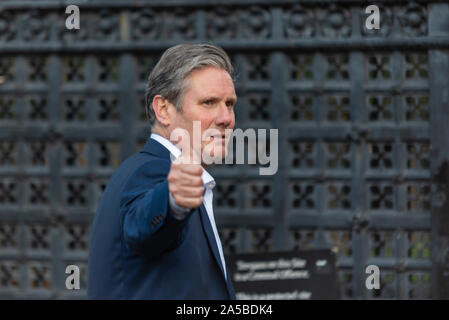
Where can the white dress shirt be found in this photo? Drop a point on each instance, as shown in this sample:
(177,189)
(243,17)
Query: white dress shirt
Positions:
(208,183)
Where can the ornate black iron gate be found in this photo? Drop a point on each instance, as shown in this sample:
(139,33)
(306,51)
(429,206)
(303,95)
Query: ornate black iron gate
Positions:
(361,116)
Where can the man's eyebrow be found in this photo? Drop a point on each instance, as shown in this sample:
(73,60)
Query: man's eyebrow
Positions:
(209,98)
(214,98)
(233,100)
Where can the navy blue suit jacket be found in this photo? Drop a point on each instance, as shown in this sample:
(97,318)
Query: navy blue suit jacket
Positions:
(138,250)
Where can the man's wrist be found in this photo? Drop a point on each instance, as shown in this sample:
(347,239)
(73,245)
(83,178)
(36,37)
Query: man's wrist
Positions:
(178,212)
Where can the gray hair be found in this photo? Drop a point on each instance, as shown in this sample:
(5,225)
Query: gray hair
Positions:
(169,78)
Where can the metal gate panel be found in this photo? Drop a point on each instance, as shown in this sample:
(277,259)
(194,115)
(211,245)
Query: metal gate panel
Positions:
(361,116)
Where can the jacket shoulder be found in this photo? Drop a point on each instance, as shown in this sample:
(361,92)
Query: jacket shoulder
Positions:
(146,167)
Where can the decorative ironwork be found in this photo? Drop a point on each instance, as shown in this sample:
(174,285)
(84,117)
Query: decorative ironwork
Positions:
(357,110)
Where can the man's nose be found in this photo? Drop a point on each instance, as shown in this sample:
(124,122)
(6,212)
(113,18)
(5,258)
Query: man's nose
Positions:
(225,116)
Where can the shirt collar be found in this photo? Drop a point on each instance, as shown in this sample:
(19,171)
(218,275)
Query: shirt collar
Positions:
(175,152)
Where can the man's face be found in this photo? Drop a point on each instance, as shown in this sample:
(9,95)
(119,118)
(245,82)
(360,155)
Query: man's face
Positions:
(209,99)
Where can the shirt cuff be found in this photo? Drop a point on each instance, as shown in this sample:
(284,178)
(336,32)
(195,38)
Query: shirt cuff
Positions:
(178,212)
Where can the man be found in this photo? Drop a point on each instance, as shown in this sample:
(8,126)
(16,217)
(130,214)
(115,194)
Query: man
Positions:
(154,234)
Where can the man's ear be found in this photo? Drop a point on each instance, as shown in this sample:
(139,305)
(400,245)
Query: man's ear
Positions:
(161,107)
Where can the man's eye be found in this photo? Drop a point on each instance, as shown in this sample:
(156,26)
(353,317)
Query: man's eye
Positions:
(208,102)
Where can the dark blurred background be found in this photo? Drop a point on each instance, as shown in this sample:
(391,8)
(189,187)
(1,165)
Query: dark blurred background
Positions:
(362,118)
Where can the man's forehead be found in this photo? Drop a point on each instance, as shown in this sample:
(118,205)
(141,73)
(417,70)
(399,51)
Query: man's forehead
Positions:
(211,81)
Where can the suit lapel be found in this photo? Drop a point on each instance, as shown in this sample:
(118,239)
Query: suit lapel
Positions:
(210,235)
(229,285)
(213,245)
(156,149)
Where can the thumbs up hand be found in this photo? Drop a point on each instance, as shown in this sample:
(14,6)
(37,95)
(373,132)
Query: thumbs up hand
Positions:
(184,179)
